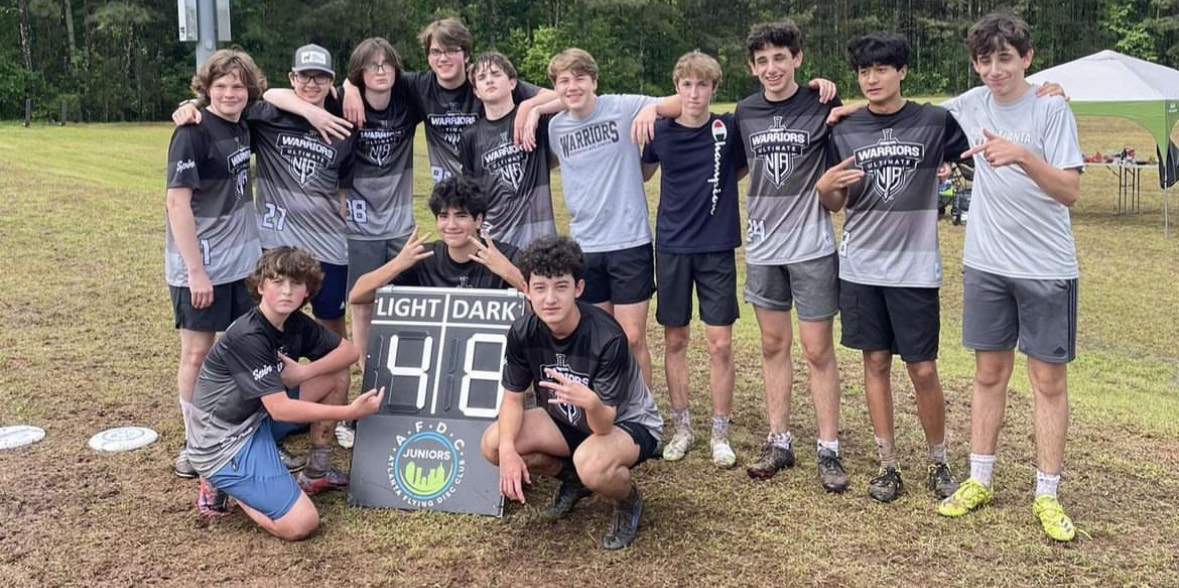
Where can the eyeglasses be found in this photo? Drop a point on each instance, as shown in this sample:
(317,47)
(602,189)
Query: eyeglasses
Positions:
(451,52)
(320,79)
(377,67)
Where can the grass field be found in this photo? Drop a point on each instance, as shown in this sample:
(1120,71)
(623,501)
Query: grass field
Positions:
(87,343)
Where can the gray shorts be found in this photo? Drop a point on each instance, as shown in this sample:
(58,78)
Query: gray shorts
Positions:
(1041,315)
(366,256)
(812,286)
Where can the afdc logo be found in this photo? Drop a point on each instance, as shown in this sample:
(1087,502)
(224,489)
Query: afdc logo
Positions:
(427,465)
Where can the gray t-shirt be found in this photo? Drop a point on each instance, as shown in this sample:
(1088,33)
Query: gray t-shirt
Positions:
(213,160)
(890,223)
(299,178)
(241,368)
(1016,229)
(785,146)
(601,176)
(380,196)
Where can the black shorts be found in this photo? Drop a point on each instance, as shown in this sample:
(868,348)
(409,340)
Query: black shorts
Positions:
(647,443)
(715,278)
(626,276)
(901,320)
(328,303)
(229,302)
(366,256)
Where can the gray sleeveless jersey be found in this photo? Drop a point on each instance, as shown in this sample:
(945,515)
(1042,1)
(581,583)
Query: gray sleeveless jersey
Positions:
(380,199)
(299,177)
(784,147)
(890,226)
(212,159)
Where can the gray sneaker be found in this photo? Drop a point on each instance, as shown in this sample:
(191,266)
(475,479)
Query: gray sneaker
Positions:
(887,486)
(831,472)
(568,495)
(625,524)
(941,481)
(181,467)
(771,459)
(289,461)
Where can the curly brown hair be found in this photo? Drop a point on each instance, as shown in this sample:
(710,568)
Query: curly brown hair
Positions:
(289,262)
(224,62)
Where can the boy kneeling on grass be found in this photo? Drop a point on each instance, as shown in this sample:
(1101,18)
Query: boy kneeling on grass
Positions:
(251,387)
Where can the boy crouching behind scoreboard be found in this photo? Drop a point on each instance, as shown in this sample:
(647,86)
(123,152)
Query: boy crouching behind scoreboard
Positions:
(460,259)
(593,406)
(251,385)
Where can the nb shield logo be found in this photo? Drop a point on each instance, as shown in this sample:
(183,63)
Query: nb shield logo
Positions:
(889,164)
(305,156)
(776,148)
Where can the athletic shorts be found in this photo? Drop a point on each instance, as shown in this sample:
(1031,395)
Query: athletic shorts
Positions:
(647,442)
(626,276)
(328,303)
(366,256)
(256,477)
(282,429)
(229,302)
(715,278)
(905,321)
(811,286)
(1041,315)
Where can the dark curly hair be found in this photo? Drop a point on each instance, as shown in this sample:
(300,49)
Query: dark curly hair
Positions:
(291,262)
(458,192)
(783,33)
(996,29)
(551,257)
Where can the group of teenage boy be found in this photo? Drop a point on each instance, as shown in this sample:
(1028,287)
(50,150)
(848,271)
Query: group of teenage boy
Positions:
(332,222)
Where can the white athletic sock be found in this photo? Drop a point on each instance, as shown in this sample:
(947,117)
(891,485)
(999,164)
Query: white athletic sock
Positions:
(884,448)
(1046,483)
(981,468)
(682,419)
(720,425)
(937,453)
(832,446)
(781,439)
(185,414)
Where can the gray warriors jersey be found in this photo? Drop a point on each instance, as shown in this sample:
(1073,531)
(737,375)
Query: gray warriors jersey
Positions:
(380,196)
(212,159)
(446,113)
(1016,229)
(299,177)
(890,225)
(601,174)
(784,147)
(515,181)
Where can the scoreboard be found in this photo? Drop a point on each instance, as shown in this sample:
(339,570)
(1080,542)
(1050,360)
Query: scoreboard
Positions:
(439,353)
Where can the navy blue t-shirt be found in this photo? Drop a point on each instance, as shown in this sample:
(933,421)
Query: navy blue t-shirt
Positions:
(698,206)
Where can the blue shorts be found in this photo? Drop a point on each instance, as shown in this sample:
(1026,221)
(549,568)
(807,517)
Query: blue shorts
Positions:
(256,477)
(281,429)
(328,303)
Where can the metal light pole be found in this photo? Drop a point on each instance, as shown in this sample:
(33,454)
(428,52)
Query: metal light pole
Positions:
(206,22)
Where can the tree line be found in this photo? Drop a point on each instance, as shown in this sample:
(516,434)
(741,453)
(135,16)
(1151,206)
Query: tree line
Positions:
(120,60)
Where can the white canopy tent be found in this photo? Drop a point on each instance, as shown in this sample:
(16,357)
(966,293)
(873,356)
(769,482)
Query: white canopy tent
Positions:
(1108,83)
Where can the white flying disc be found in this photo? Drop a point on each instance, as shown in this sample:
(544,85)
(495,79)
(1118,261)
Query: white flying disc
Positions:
(122,439)
(19,436)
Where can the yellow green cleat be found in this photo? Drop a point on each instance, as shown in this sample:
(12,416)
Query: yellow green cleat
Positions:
(970,495)
(1056,524)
